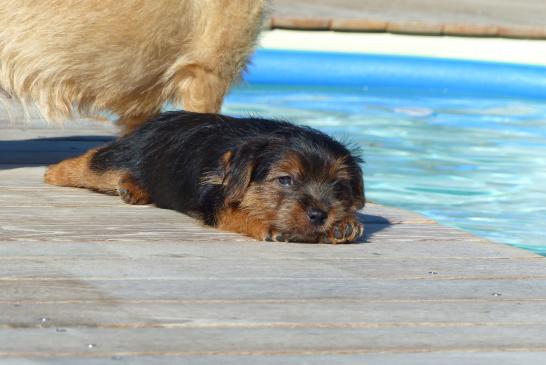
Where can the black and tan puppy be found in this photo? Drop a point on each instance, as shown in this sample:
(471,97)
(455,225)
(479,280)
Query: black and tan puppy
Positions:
(267,179)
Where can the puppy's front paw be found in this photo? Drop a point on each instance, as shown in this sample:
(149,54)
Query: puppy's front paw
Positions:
(344,231)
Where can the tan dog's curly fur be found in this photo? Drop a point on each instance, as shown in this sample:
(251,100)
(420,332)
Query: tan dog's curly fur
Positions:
(125,57)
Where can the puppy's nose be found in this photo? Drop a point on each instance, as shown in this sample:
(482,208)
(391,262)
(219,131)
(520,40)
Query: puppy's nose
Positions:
(317,216)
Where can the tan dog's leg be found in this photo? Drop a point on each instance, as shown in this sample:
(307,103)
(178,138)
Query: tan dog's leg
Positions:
(203,91)
(77,172)
(197,90)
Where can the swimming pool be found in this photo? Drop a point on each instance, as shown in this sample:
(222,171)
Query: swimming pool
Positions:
(466,160)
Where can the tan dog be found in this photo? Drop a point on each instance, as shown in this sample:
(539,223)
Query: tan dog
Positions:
(126,57)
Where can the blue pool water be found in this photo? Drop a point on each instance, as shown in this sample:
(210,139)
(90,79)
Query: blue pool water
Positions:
(466,161)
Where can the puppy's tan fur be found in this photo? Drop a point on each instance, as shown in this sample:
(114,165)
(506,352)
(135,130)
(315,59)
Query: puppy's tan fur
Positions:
(125,57)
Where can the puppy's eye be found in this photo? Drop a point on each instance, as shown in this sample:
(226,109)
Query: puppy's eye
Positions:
(341,185)
(286,180)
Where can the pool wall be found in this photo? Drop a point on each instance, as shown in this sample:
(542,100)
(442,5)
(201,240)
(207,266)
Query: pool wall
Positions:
(310,68)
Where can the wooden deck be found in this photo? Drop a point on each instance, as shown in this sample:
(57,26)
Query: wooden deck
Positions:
(484,18)
(86,279)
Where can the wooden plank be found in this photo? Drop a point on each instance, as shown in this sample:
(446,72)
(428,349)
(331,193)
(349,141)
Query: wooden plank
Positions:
(17,268)
(408,358)
(266,341)
(218,245)
(528,13)
(232,249)
(15,119)
(218,288)
(274,313)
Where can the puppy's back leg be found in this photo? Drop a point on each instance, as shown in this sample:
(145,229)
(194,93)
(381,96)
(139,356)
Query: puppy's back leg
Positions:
(77,172)
(131,192)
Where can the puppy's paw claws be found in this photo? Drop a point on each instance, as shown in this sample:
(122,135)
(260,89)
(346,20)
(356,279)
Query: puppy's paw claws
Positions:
(344,231)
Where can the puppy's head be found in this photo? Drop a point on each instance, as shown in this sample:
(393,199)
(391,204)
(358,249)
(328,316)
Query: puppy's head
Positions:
(300,183)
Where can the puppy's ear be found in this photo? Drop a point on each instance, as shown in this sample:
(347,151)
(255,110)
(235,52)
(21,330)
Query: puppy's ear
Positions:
(239,164)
